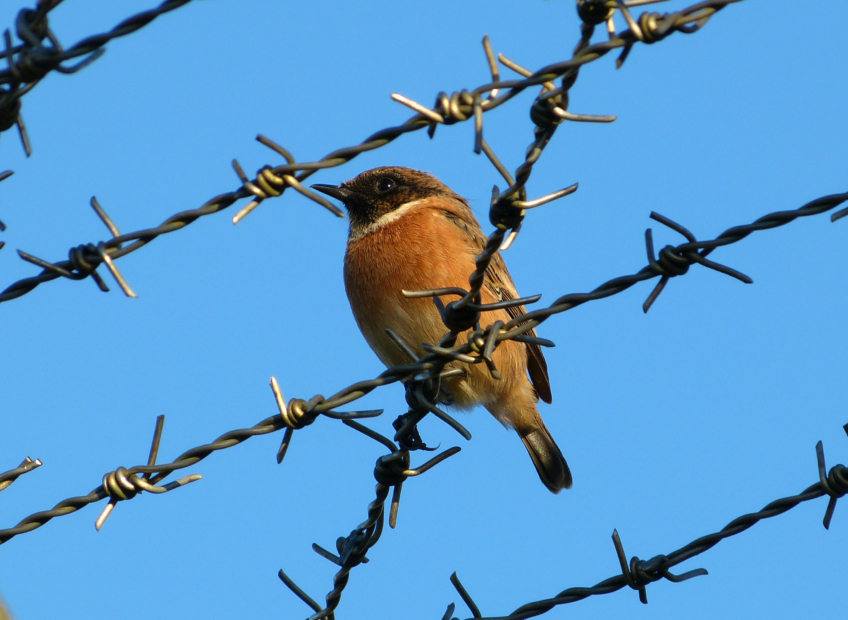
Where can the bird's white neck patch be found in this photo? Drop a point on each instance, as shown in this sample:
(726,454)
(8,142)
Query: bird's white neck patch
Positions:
(385,219)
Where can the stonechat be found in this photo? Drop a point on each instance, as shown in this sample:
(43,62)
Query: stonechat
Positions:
(410,231)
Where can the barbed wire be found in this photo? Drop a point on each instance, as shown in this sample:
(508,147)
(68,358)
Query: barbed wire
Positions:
(548,110)
(422,380)
(637,574)
(391,471)
(672,261)
(26,466)
(40,52)
(422,377)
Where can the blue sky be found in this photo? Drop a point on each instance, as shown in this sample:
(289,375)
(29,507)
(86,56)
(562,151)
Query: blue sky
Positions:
(674,423)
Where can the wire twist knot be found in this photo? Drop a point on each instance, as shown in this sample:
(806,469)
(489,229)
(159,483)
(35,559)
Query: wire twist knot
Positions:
(121,485)
(353,548)
(544,111)
(671,263)
(460,318)
(639,573)
(455,108)
(477,340)
(642,572)
(267,185)
(836,483)
(420,393)
(503,214)
(653,27)
(32,33)
(390,469)
(300,413)
(84,259)
(31,27)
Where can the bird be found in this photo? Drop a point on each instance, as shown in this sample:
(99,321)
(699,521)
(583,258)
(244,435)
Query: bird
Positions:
(409,231)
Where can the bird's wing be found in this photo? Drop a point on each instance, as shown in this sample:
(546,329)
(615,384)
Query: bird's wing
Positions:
(499,282)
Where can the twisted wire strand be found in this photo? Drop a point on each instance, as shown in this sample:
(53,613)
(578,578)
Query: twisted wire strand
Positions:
(506,214)
(637,574)
(422,370)
(360,540)
(29,62)
(390,471)
(156,472)
(26,466)
(690,251)
(546,112)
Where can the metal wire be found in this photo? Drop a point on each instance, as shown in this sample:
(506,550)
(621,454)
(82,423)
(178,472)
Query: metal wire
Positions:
(637,574)
(40,52)
(419,375)
(26,466)
(30,61)
(548,110)
(391,471)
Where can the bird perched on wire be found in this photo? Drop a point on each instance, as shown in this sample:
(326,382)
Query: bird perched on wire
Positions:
(410,231)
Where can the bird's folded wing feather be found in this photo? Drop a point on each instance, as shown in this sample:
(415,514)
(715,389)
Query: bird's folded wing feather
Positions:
(505,290)
(499,284)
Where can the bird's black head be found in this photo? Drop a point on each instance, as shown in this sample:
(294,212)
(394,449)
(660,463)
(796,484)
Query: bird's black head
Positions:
(378,192)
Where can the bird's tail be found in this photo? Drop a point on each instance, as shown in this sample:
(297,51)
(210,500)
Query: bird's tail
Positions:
(549,461)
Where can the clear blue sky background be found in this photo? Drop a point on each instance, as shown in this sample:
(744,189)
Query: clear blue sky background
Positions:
(674,423)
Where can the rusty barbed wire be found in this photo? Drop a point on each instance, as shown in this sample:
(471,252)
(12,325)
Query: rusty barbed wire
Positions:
(548,110)
(30,61)
(637,574)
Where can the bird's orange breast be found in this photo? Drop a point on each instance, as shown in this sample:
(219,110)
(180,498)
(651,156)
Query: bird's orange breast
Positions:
(423,249)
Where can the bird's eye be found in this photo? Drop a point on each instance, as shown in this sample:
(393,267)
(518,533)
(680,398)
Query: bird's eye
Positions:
(385,184)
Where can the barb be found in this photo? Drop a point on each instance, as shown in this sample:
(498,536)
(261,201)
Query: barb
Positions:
(26,466)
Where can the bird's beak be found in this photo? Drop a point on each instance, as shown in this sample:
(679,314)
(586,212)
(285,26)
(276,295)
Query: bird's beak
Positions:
(334,191)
